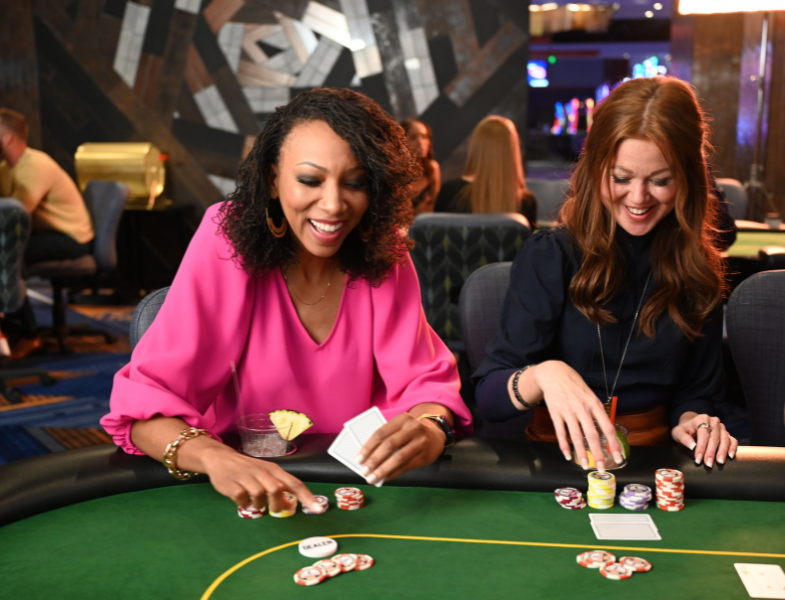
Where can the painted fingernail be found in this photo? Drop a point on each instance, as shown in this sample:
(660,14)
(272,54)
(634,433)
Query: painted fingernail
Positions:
(709,462)
(694,443)
(317,508)
(584,464)
(721,460)
(567,455)
(371,478)
(618,458)
(379,483)
(732,455)
(365,470)
(698,458)
(601,467)
(360,459)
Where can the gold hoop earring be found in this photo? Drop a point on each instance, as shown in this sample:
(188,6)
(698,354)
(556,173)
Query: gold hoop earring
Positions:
(365,233)
(279,231)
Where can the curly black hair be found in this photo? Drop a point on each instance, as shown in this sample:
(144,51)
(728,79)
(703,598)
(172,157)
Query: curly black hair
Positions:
(379,144)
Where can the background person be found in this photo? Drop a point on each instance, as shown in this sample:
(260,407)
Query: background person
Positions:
(303,279)
(61,226)
(493,181)
(427,187)
(628,288)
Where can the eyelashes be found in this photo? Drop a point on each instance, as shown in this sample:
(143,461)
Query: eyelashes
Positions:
(657,182)
(352,185)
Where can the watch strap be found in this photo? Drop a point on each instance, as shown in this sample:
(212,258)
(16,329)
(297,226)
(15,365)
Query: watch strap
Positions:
(444,425)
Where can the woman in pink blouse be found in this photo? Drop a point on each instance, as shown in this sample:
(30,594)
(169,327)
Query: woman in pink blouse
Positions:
(302,278)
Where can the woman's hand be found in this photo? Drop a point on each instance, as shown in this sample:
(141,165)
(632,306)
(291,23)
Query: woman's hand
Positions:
(574,408)
(709,442)
(249,480)
(402,444)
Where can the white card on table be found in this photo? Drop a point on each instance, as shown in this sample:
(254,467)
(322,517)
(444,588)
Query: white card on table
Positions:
(762,581)
(624,527)
(364,425)
(345,449)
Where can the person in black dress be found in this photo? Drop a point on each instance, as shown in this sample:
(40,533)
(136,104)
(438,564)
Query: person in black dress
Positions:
(624,297)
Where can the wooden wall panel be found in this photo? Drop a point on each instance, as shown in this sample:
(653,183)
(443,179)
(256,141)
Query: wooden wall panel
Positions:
(19,83)
(715,73)
(774,173)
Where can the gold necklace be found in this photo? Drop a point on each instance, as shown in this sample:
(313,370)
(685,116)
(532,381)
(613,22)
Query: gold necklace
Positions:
(289,287)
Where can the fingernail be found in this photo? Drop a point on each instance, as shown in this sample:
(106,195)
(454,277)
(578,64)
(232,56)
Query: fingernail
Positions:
(601,467)
(584,464)
(365,470)
(360,459)
(618,458)
(694,443)
(379,483)
(568,456)
(371,478)
(698,458)
(709,462)
(731,455)
(317,508)
(721,460)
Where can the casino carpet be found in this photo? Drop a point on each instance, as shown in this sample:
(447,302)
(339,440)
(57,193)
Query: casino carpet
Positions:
(65,415)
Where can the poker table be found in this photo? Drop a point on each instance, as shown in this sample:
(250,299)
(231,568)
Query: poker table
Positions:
(480,522)
(755,250)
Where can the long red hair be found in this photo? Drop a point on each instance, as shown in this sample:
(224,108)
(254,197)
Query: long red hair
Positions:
(687,267)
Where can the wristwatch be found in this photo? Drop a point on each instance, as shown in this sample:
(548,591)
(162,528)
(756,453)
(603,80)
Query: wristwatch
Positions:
(444,425)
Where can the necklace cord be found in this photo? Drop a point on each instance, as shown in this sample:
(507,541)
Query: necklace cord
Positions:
(289,287)
(627,345)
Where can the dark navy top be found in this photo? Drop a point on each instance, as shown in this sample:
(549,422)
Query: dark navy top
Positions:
(540,322)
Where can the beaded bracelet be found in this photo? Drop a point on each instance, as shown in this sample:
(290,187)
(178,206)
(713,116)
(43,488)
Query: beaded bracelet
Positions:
(170,456)
(515,391)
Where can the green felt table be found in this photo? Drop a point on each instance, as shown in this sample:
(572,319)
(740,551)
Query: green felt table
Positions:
(188,542)
(748,243)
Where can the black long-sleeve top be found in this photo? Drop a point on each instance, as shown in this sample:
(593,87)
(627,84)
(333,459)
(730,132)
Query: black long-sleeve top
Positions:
(540,322)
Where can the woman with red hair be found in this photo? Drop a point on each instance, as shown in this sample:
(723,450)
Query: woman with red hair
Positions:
(624,298)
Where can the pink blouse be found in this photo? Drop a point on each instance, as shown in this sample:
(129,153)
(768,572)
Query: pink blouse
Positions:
(380,352)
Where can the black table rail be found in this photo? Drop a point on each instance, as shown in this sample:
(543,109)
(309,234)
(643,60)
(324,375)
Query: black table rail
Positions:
(35,485)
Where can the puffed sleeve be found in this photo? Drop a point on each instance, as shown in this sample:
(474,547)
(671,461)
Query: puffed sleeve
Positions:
(413,363)
(530,319)
(702,378)
(181,364)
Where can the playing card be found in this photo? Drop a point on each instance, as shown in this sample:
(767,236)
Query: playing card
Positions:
(345,449)
(624,527)
(762,581)
(364,425)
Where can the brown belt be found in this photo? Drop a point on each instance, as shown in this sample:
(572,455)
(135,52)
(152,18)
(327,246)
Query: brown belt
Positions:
(647,427)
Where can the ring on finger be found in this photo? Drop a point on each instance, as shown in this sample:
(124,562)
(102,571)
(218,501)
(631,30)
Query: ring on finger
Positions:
(706,426)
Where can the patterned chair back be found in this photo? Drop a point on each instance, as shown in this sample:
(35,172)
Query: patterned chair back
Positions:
(14,233)
(450,247)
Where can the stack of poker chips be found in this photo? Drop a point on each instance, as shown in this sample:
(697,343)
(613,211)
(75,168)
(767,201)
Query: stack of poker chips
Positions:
(635,497)
(349,498)
(323,501)
(602,490)
(292,499)
(251,512)
(570,498)
(670,489)
(332,567)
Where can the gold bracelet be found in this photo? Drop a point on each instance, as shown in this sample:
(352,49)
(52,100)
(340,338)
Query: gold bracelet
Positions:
(170,456)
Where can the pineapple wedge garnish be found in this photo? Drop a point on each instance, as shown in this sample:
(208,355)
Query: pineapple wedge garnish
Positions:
(290,423)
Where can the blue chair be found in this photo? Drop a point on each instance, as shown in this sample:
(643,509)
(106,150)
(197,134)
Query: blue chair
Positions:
(105,201)
(145,314)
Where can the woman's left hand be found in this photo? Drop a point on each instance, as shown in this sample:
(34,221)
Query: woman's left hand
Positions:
(709,442)
(402,444)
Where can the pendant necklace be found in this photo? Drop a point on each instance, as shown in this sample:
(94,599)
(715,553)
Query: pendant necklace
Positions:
(303,301)
(608,393)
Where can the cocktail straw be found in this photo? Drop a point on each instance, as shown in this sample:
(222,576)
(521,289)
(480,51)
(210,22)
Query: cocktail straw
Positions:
(237,390)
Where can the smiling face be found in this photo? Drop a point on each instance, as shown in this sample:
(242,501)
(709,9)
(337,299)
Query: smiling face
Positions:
(642,189)
(322,187)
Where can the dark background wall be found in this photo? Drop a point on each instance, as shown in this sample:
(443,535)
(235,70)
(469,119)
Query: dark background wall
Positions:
(198,77)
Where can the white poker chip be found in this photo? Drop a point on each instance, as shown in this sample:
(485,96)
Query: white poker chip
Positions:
(318,547)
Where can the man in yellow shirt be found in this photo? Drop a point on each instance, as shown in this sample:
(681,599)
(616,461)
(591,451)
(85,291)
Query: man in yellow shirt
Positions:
(61,226)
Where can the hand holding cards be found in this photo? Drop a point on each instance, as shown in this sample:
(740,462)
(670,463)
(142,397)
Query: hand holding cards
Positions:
(355,433)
